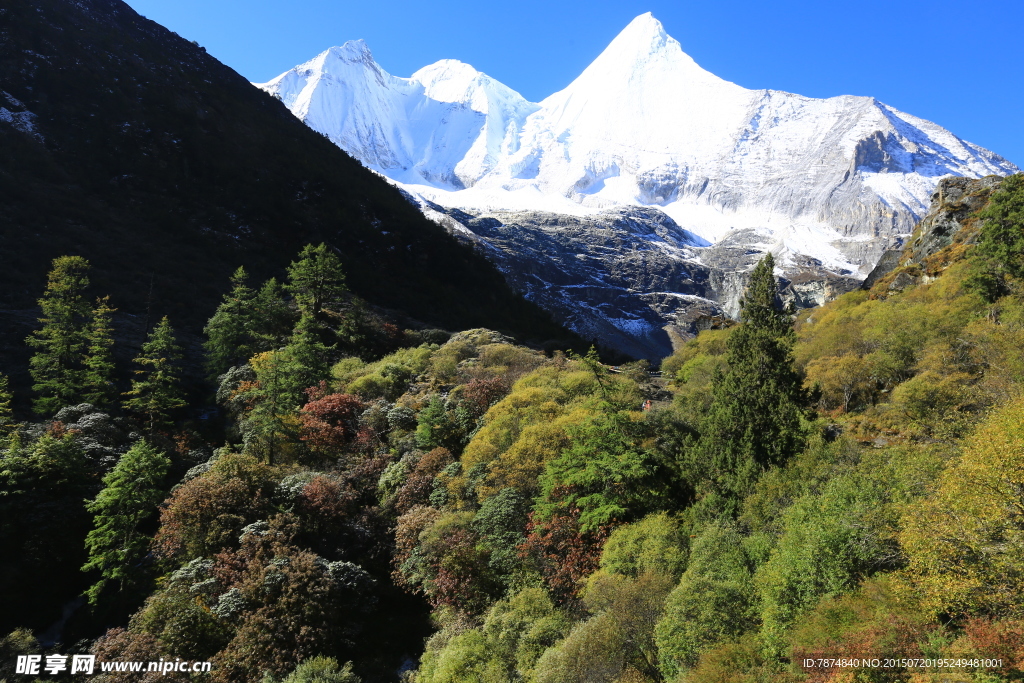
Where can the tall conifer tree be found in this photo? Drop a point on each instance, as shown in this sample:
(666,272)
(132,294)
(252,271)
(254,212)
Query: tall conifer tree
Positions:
(316,280)
(311,355)
(98,380)
(754,420)
(57,366)
(1000,251)
(274,319)
(229,333)
(6,413)
(277,394)
(129,497)
(155,391)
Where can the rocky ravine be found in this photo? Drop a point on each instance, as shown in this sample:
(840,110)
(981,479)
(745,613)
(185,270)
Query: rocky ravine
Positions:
(630,277)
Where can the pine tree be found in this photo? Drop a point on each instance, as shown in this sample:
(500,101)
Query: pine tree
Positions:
(155,392)
(98,384)
(6,413)
(316,280)
(130,495)
(308,350)
(274,319)
(999,256)
(276,394)
(1002,233)
(57,366)
(229,333)
(754,420)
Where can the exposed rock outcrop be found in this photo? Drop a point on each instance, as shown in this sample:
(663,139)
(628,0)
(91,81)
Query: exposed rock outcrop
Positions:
(630,277)
(954,204)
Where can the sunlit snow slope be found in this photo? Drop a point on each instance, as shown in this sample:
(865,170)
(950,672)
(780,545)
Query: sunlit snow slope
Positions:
(837,179)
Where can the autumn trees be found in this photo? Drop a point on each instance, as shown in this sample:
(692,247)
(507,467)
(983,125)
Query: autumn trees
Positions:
(965,543)
(555,531)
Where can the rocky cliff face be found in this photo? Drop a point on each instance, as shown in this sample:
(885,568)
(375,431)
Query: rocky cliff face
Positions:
(630,277)
(953,206)
(953,203)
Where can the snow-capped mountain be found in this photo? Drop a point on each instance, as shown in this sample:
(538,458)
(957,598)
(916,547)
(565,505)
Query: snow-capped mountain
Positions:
(827,183)
(445,125)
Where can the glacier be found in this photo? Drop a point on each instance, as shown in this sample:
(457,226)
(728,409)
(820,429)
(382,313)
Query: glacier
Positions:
(827,185)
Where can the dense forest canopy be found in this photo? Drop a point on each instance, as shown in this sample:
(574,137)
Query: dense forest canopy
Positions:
(380,504)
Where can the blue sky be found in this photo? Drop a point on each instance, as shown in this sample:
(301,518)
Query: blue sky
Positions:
(959,64)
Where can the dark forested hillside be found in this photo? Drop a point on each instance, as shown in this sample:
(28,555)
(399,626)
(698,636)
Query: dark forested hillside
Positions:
(126,144)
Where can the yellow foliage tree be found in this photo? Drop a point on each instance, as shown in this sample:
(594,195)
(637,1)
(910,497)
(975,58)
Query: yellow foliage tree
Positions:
(842,380)
(965,543)
(526,429)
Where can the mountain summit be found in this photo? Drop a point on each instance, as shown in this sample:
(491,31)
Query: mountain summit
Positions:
(827,185)
(643,125)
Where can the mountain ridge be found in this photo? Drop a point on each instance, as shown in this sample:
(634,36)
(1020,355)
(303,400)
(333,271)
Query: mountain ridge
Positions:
(645,125)
(826,185)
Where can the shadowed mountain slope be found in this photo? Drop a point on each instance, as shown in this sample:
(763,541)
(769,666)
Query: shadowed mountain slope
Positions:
(131,146)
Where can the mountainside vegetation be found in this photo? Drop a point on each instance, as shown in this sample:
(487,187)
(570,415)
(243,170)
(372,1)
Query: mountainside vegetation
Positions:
(241,436)
(795,498)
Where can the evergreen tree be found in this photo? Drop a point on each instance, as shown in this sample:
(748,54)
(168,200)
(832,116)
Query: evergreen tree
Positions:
(592,362)
(1002,234)
(607,474)
(435,428)
(98,382)
(57,366)
(316,280)
(275,396)
(247,322)
(230,338)
(129,497)
(753,422)
(308,350)
(274,319)
(1000,250)
(155,392)
(6,413)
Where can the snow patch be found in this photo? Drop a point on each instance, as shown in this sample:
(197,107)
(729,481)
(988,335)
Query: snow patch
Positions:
(23,121)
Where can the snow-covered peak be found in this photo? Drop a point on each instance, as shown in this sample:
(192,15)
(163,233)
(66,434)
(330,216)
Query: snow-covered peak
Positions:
(450,80)
(644,95)
(334,60)
(833,179)
(642,53)
(352,51)
(642,38)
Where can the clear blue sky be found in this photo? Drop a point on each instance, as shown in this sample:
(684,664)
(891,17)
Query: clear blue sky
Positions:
(955,62)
